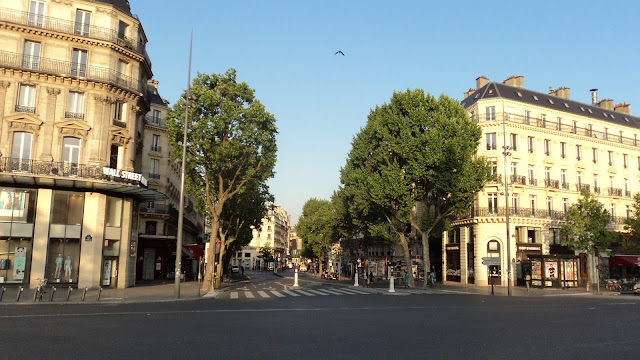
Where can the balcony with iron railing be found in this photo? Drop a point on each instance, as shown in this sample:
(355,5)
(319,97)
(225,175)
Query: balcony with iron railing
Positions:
(25,109)
(515,212)
(627,193)
(71,28)
(557,126)
(552,184)
(156,148)
(580,187)
(73,115)
(68,69)
(120,123)
(614,192)
(518,180)
(597,190)
(156,209)
(154,176)
(155,121)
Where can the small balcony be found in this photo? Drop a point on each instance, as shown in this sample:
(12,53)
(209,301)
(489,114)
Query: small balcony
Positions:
(533,182)
(597,190)
(154,176)
(518,180)
(615,192)
(565,186)
(155,121)
(627,193)
(73,115)
(551,184)
(25,109)
(121,124)
(156,148)
(580,187)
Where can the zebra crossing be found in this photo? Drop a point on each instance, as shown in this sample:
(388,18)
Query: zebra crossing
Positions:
(262,294)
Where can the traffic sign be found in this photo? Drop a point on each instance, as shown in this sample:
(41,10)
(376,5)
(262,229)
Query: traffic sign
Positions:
(491,261)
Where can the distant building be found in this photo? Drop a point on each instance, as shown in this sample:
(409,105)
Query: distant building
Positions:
(556,147)
(274,233)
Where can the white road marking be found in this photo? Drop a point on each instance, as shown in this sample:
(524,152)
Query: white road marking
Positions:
(234,295)
(345,291)
(358,291)
(290,293)
(277,293)
(318,292)
(305,293)
(248,295)
(263,294)
(332,292)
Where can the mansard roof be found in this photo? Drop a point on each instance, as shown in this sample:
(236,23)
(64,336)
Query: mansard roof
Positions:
(501,90)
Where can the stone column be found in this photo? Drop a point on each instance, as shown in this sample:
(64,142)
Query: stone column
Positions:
(50,119)
(91,251)
(126,262)
(101,121)
(4,85)
(41,236)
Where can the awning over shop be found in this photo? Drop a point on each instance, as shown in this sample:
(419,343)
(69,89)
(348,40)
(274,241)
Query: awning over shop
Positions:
(624,260)
(195,251)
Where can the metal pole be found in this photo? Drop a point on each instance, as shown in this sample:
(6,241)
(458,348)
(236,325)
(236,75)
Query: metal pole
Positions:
(506,152)
(178,269)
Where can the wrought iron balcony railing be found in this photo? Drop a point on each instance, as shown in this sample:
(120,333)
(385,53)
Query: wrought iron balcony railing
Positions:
(156,148)
(154,121)
(615,192)
(580,187)
(58,169)
(597,189)
(25,109)
(73,115)
(154,176)
(516,212)
(70,27)
(518,180)
(119,123)
(68,68)
(627,193)
(553,184)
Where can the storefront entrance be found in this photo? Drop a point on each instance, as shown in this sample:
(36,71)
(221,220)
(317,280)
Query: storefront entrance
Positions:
(110,272)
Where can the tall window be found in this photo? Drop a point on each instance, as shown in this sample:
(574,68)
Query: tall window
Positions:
(75,105)
(83,21)
(21,151)
(565,205)
(543,120)
(530,144)
(494,170)
(122,30)
(31,55)
(491,113)
(579,179)
(491,141)
(596,185)
(578,152)
(606,133)
(114,156)
(625,160)
(154,169)
(532,204)
(574,128)
(611,183)
(514,142)
(563,150)
(70,155)
(36,13)
(563,178)
(594,151)
(26,99)
(155,115)
(549,205)
(492,203)
(611,158)
(514,168)
(121,72)
(547,175)
(114,212)
(547,147)
(527,117)
(559,124)
(514,202)
(155,142)
(613,211)
(117,113)
(79,62)
(627,192)
(532,172)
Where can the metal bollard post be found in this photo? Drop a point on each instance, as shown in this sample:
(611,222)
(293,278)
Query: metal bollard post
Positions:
(53,291)
(35,294)
(99,293)
(2,293)
(19,293)
(84,293)
(69,293)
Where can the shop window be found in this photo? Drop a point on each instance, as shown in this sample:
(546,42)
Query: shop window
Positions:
(247,255)
(16,206)
(114,212)
(15,260)
(67,208)
(454,236)
(63,259)
(111,248)
(150,228)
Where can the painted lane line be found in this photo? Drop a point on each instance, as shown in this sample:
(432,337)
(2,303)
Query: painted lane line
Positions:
(305,293)
(290,293)
(358,292)
(263,294)
(333,292)
(234,295)
(276,293)
(248,295)
(346,292)
(318,292)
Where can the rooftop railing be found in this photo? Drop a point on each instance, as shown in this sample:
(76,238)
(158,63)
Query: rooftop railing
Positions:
(70,27)
(68,68)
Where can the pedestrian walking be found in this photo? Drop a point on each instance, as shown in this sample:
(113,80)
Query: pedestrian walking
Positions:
(370,277)
(527,280)
(406,279)
(365,282)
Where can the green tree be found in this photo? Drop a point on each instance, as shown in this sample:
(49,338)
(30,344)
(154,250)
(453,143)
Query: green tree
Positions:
(416,150)
(232,142)
(266,254)
(632,224)
(317,227)
(586,228)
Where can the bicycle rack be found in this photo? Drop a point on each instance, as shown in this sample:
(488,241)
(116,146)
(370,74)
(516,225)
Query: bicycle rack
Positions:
(2,293)
(69,293)
(84,293)
(19,293)
(35,294)
(53,292)
(99,293)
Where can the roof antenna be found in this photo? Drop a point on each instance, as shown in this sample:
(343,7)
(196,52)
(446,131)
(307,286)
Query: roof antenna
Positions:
(594,96)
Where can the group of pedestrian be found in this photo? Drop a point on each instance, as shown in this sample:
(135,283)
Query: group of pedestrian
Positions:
(368,279)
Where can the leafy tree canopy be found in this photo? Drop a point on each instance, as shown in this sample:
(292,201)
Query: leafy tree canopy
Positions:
(586,224)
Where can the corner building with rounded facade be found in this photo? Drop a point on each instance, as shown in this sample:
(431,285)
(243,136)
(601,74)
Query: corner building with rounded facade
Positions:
(73,81)
(556,147)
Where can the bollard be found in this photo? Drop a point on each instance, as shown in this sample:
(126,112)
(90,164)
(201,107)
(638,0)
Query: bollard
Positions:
(35,294)
(69,293)
(99,292)
(84,293)
(19,293)
(391,284)
(295,279)
(2,293)
(53,291)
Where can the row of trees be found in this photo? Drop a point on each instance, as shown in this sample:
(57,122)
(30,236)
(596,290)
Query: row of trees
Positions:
(231,155)
(413,167)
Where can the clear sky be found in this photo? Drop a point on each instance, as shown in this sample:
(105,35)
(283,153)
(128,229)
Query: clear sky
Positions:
(284,50)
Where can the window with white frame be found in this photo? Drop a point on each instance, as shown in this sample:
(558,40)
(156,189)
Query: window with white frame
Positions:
(490,113)
(79,62)
(26,99)
(579,179)
(75,105)
(83,22)
(594,152)
(21,150)
(155,142)
(563,150)
(492,203)
(565,205)
(527,117)
(514,142)
(514,202)
(36,13)
(154,169)
(610,158)
(514,168)
(613,210)
(547,147)
(578,152)
(625,160)
(491,141)
(549,205)
(627,191)
(596,185)
(532,174)
(31,55)
(532,204)
(530,144)
(563,178)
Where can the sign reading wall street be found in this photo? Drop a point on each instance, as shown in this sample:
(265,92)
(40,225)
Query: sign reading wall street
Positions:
(125,175)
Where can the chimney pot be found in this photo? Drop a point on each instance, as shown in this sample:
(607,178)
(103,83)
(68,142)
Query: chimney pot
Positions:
(514,80)
(623,108)
(481,81)
(606,104)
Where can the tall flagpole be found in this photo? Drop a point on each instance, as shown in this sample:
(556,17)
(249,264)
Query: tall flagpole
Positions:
(178,271)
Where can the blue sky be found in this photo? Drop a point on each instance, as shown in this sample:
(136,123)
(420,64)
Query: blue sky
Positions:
(285,51)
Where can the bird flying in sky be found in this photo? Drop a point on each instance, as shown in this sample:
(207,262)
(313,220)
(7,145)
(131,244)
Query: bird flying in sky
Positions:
(339,52)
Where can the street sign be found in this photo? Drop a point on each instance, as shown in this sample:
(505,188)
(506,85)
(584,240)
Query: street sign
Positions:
(491,261)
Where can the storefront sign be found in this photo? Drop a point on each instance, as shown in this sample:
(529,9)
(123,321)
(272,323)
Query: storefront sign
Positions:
(88,238)
(454,247)
(529,247)
(125,175)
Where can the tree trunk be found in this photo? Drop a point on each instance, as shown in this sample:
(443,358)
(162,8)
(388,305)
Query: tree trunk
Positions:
(407,257)
(426,258)
(207,284)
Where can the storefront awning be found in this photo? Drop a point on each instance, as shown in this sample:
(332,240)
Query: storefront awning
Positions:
(194,251)
(624,260)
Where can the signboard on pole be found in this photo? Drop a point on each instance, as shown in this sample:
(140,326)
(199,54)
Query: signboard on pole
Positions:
(491,261)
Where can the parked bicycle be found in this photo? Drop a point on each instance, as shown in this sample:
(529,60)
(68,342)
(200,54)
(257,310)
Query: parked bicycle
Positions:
(40,290)
(431,279)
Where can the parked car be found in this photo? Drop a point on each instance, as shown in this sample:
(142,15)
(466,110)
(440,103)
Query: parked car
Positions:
(235,268)
(636,288)
(303,268)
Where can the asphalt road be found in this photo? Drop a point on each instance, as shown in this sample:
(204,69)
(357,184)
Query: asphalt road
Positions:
(337,325)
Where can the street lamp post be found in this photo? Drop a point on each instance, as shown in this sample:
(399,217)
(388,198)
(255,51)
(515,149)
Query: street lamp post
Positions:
(178,269)
(506,152)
